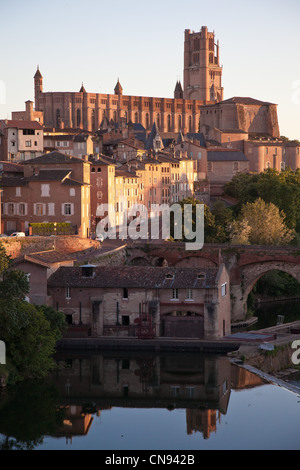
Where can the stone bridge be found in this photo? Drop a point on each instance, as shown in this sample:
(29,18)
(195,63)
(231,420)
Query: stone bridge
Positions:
(245,264)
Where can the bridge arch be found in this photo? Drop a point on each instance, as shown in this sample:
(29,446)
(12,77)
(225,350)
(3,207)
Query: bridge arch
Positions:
(250,274)
(196,262)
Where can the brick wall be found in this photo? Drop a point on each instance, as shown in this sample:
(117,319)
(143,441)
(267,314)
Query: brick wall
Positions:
(15,247)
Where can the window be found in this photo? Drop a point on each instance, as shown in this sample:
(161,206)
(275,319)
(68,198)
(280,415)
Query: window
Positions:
(190,391)
(67,209)
(11,208)
(174,293)
(78,117)
(28,131)
(189,294)
(39,209)
(51,208)
(22,209)
(125,320)
(45,189)
(68,292)
(28,143)
(18,191)
(72,191)
(201,277)
(170,276)
(175,390)
(224,289)
(125,293)
(57,117)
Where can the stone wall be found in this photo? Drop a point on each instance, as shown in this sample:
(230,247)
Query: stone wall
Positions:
(16,247)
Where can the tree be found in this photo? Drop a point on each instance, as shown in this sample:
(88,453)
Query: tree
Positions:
(30,332)
(261,223)
(223,220)
(213,232)
(280,188)
(30,343)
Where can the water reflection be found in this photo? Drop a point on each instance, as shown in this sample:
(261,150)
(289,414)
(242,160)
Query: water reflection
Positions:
(84,386)
(200,385)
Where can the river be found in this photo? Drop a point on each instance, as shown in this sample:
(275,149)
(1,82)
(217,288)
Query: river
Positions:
(178,401)
(130,401)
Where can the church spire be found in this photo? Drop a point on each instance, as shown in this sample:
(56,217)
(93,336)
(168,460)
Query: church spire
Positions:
(118,88)
(82,89)
(38,73)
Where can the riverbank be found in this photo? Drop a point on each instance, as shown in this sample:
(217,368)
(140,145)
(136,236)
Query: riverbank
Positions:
(272,360)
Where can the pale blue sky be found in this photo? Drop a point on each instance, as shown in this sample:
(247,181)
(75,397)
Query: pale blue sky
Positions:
(96,41)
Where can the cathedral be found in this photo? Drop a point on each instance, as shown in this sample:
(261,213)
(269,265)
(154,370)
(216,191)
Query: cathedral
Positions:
(198,106)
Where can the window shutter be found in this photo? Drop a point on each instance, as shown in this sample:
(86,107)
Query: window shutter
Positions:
(72,209)
(34,208)
(51,208)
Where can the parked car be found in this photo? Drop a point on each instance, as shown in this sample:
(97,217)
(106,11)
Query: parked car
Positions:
(99,237)
(17,234)
(3,235)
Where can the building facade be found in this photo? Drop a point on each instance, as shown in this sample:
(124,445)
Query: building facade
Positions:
(20,140)
(202,85)
(47,189)
(144,301)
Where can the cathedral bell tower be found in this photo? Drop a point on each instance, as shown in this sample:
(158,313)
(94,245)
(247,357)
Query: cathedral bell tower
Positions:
(202,71)
(38,87)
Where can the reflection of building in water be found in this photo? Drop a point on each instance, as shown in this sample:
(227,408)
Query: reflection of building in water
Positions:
(200,384)
(204,421)
(76,422)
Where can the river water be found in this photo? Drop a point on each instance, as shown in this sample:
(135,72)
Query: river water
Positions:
(145,401)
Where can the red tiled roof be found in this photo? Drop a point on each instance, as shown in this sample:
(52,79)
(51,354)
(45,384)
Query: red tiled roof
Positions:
(20,124)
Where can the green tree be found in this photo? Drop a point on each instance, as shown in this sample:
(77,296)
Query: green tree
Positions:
(30,332)
(279,188)
(213,232)
(30,343)
(261,223)
(223,220)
